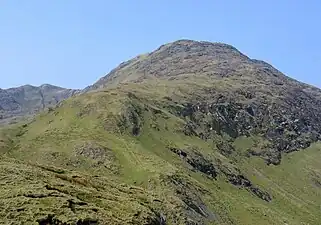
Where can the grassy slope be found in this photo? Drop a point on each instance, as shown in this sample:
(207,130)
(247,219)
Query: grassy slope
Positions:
(129,183)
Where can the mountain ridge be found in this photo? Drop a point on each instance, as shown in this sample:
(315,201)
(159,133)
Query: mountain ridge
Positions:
(27,100)
(183,46)
(192,133)
(138,57)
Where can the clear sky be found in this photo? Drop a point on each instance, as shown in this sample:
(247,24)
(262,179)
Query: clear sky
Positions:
(72,43)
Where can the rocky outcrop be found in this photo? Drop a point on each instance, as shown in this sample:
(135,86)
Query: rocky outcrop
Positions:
(52,220)
(252,97)
(241,181)
(196,161)
(288,125)
(200,164)
(132,118)
(195,210)
(94,151)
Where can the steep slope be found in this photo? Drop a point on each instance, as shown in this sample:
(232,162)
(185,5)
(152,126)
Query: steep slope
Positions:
(232,144)
(234,94)
(26,100)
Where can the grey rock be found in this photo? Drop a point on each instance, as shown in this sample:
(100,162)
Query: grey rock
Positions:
(28,100)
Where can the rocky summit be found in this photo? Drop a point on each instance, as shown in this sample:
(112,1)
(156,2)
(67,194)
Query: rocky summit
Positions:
(192,133)
(254,99)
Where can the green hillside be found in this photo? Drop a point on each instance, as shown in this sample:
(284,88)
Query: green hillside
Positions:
(120,156)
(193,133)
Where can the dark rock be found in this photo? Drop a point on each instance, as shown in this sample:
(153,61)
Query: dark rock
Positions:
(35,195)
(158,219)
(48,220)
(190,129)
(241,181)
(288,130)
(132,118)
(191,222)
(72,204)
(52,220)
(93,151)
(272,157)
(197,161)
(179,152)
(87,221)
(196,210)
(225,147)
(261,194)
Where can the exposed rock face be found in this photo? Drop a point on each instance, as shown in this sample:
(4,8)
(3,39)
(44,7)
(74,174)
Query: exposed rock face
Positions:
(254,98)
(289,124)
(196,211)
(99,155)
(27,100)
(197,162)
(200,164)
(92,151)
(241,181)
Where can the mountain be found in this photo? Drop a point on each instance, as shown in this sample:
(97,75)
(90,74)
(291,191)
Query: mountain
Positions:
(243,96)
(27,99)
(190,58)
(192,133)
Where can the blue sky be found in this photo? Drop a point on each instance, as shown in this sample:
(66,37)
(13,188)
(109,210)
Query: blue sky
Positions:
(72,43)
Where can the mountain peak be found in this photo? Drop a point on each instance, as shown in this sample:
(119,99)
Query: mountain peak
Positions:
(48,86)
(176,59)
(192,46)
(203,128)
(189,42)
(29,86)
(28,99)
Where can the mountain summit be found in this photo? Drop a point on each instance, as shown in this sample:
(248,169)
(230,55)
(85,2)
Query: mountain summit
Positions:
(193,133)
(259,98)
(183,58)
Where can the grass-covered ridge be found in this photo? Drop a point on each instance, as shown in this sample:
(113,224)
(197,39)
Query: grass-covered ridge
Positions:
(136,154)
